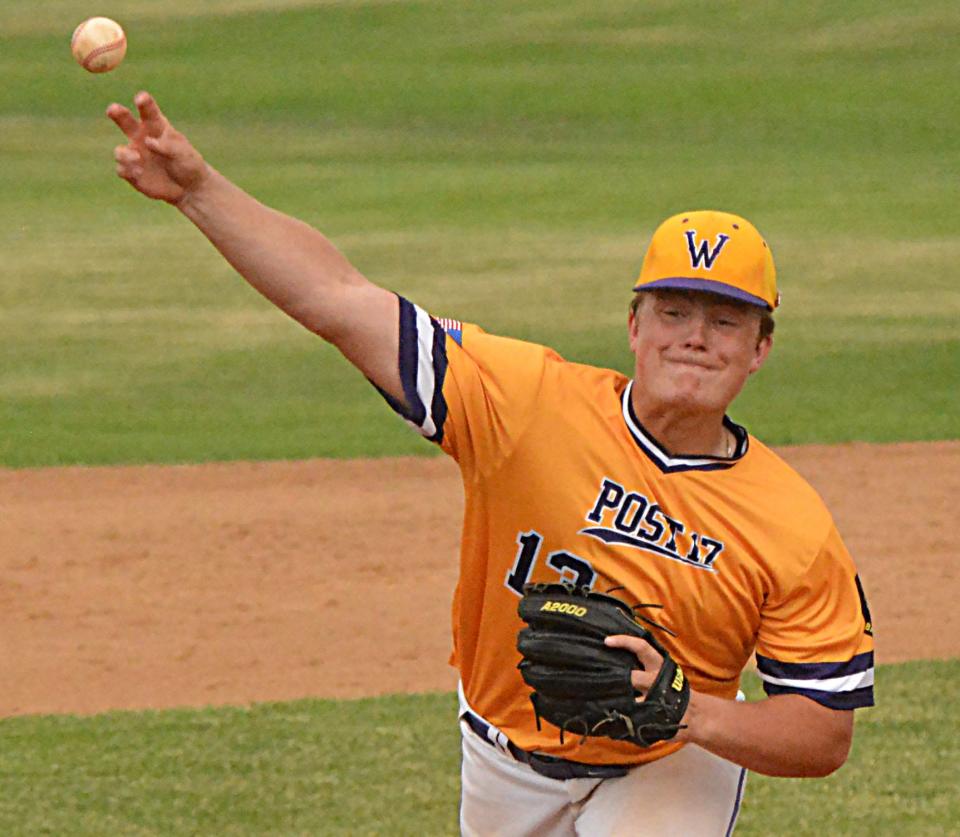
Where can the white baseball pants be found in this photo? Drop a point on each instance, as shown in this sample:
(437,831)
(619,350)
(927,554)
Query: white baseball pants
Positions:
(687,794)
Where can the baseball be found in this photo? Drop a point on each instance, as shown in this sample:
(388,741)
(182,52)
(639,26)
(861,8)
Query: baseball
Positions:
(99,44)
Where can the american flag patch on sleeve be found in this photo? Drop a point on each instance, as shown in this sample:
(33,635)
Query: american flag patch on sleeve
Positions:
(452,327)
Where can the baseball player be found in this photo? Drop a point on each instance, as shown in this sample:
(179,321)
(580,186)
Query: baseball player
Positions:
(581,474)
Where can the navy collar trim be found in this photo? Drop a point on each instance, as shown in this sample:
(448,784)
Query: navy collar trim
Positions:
(668,463)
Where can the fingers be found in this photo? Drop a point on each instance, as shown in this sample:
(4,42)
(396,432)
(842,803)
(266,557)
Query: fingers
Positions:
(165,146)
(647,656)
(126,154)
(123,119)
(153,119)
(150,129)
(129,162)
(646,653)
(642,680)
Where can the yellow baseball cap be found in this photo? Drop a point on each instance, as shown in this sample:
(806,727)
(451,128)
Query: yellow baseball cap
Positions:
(711,251)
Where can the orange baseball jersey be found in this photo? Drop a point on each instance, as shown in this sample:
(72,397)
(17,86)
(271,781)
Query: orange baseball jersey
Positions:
(562,481)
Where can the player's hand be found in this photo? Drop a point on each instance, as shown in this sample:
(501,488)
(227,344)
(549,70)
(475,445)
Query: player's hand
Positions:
(650,660)
(642,679)
(157,160)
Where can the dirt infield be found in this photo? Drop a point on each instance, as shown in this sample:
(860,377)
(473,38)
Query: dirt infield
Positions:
(226,584)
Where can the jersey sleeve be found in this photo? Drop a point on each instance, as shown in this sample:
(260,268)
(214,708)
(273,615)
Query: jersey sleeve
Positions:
(816,637)
(471,392)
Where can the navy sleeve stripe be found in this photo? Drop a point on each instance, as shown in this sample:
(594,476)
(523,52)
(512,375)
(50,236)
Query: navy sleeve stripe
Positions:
(855,699)
(815,671)
(416,411)
(422,364)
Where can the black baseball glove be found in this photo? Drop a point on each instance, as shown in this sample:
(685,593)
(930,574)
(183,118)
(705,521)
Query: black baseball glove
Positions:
(581,685)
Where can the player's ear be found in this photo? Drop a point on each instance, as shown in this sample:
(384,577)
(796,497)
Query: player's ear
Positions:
(632,322)
(632,328)
(762,352)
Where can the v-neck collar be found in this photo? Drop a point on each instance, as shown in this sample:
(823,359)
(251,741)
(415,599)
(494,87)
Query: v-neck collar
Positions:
(670,463)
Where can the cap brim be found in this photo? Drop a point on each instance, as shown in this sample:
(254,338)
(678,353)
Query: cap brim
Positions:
(686,283)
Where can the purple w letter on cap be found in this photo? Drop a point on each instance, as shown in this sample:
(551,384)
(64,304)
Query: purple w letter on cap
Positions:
(701,252)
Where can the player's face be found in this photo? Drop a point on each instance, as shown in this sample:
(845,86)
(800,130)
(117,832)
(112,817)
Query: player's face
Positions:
(694,351)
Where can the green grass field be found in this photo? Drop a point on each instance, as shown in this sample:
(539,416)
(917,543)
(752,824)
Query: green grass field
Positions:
(504,163)
(390,766)
(499,162)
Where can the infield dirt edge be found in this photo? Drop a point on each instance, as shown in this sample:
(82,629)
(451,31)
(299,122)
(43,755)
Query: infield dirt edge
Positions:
(225,584)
